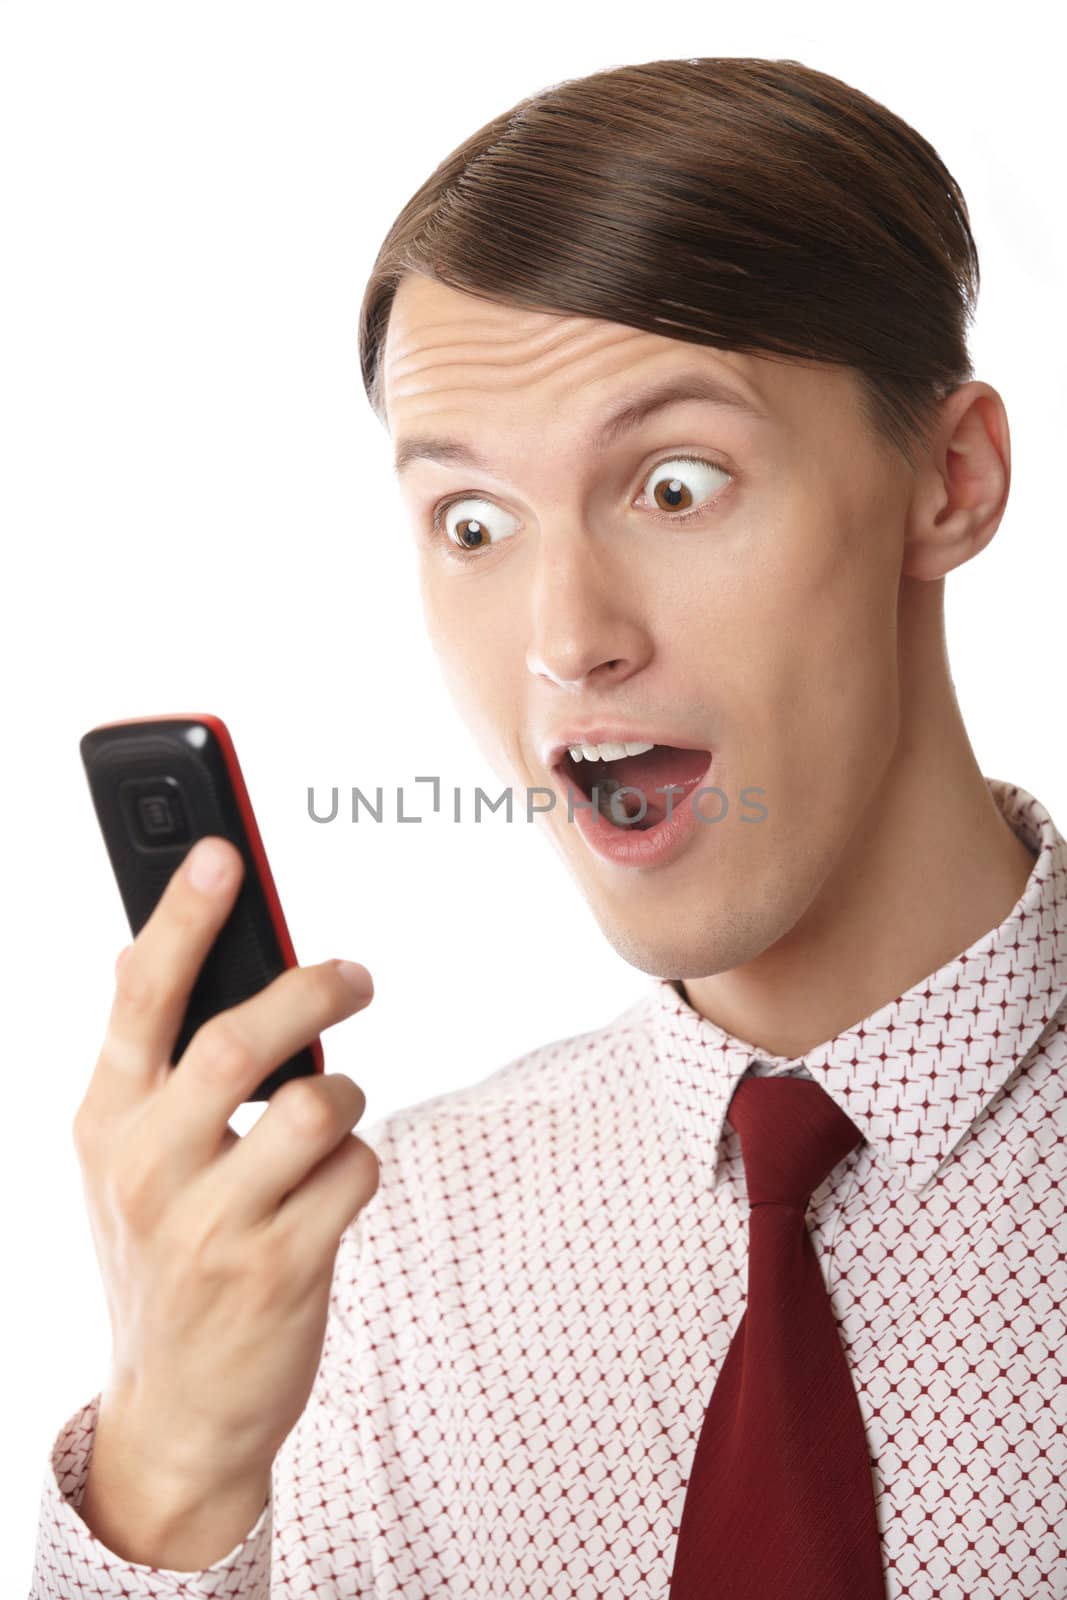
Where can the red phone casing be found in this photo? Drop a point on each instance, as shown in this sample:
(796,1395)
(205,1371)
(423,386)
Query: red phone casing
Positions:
(158,784)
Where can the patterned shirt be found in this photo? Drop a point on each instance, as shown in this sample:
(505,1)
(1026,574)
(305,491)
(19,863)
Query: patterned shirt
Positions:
(529,1316)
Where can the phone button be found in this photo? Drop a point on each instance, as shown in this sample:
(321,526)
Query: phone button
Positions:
(154,808)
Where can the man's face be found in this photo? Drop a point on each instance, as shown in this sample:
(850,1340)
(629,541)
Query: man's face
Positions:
(762,629)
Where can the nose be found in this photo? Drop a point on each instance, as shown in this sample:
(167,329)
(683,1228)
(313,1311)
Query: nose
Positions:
(584,622)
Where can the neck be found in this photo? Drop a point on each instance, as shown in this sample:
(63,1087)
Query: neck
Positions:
(930,867)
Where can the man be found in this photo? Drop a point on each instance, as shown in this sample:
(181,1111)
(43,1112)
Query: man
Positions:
(539,1335)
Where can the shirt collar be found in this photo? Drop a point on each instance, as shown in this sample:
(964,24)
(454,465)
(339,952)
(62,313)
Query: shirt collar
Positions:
(916,1074)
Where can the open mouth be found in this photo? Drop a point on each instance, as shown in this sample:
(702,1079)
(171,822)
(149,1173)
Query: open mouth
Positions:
(644,778)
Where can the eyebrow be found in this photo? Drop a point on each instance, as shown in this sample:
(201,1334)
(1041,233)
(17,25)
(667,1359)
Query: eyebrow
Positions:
(667,392)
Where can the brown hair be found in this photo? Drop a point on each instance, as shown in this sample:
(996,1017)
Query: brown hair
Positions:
(747,204)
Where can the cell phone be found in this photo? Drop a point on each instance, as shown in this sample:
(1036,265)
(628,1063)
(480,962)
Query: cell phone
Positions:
(158,784)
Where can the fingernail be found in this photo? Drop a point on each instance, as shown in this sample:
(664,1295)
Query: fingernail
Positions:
(207,865)
(353,974)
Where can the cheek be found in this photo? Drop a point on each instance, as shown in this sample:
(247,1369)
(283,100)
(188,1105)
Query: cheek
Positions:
(839,642)
(475,647)
(804,628)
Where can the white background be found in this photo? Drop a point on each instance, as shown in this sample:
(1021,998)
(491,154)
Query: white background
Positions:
(198,514)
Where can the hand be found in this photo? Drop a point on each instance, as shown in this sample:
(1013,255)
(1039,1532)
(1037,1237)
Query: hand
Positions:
(217,1252)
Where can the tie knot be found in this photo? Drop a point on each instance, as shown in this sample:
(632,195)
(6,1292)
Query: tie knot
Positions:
(792,1137)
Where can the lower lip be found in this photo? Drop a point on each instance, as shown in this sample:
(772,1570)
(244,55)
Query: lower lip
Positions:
(637,847)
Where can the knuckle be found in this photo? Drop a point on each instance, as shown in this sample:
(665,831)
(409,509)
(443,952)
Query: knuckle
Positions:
(81,1132)
(121,1049)
(373,1169)
(223,1050)
(306,1108)
(134,989)
(356,1099)
(367,1165)
(133,1185)
(90,1144)
(324,987)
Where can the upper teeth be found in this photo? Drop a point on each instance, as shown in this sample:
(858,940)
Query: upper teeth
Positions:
(607,752)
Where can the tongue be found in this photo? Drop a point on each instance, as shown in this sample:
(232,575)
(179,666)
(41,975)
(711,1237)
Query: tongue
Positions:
(655,769)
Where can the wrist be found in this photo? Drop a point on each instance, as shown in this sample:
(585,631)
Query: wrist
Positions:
(189,1457)
(145,1506)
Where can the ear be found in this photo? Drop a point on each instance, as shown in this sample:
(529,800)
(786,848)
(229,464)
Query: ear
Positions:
(961,488)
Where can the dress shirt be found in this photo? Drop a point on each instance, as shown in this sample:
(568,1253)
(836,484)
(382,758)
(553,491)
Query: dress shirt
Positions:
(529,1315)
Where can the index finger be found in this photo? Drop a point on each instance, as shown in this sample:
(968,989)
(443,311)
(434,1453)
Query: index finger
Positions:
(155,974)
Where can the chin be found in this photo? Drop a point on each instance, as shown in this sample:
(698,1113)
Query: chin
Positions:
(715,939)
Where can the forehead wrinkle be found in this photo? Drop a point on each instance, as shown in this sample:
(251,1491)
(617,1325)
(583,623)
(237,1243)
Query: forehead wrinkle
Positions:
(511,358)
(544,346)
(536,341)
(674,389)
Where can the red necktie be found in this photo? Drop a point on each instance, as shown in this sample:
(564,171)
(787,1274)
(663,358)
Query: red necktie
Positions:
(780,1503)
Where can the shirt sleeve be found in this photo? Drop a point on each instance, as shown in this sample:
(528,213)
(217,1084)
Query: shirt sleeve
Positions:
(71,1563)
(316,1474)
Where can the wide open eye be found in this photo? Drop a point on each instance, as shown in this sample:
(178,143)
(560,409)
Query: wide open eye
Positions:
(672,495)
(480,524)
